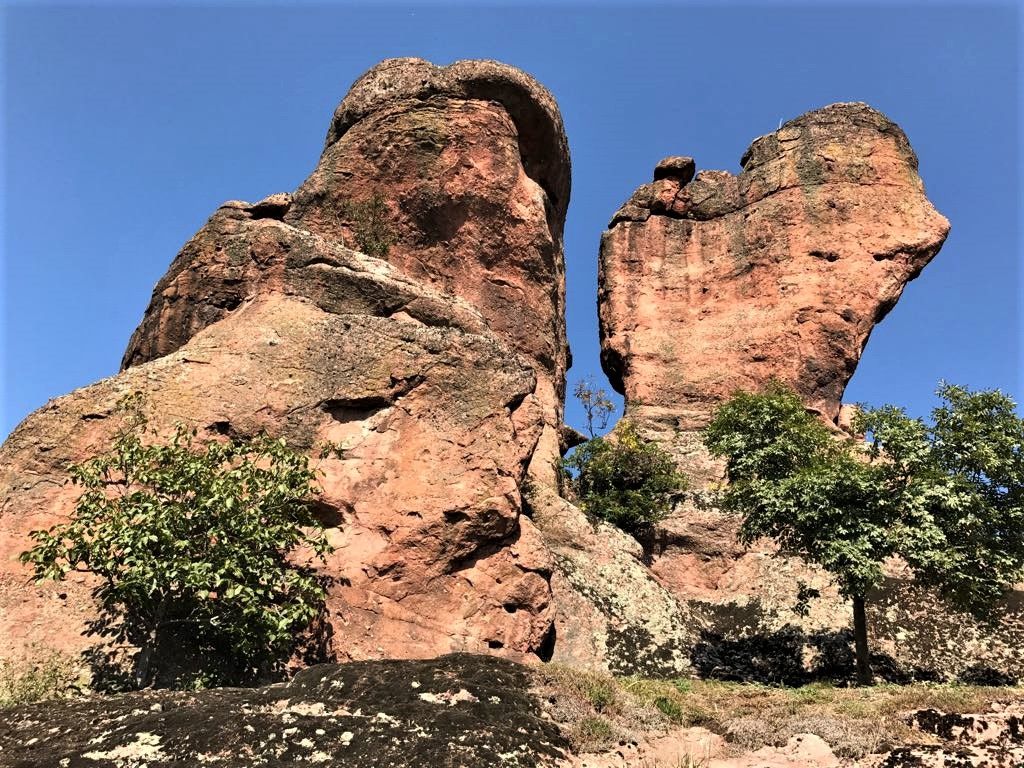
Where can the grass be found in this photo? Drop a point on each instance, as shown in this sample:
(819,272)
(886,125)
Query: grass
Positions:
(854,721)
(50,675)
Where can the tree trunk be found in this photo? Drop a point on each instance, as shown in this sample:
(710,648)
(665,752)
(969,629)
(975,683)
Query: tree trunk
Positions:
(860,637)
(145,657)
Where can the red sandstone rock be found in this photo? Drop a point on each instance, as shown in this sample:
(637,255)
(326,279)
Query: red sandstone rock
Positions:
(440,369)
(724,282)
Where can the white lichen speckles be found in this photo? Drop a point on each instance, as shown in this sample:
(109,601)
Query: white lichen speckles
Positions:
(346,737)
(449,698)
(146,746)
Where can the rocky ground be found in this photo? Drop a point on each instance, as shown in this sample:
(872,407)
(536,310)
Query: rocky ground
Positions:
(467,710)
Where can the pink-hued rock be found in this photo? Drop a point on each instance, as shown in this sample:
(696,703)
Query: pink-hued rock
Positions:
(438,424)
(725,282)
(471,166)
(438,365)
(718,282)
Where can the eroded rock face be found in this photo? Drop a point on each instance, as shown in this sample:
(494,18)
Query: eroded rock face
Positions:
(439,369)
(714,283)
(471,165)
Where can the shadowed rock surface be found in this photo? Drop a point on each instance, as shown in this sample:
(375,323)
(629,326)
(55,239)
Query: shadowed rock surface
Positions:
(457,711)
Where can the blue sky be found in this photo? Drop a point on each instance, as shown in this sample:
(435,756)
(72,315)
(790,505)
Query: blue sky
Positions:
(125,125)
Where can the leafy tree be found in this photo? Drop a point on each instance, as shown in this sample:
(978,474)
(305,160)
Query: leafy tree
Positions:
(624,480)
(192,541)
(947,498)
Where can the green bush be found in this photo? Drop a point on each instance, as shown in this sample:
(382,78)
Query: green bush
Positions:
(625,480)
(50,675)
(192,543)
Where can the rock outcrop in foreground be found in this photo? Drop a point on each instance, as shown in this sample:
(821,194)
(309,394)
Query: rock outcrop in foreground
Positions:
(435,357)
(472,712)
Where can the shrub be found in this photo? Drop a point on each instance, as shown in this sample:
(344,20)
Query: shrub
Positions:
(369,220)
(192,542)
(625,480)
(51,675)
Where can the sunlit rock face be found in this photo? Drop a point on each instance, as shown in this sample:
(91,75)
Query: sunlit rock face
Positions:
(712,282)
(719,282)
(407,303)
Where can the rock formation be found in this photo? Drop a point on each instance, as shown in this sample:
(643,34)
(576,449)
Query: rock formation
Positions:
(718,282)
(460,173)
(436,358)
(713,282)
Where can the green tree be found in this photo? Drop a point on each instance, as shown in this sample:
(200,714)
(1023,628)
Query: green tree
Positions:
(193,542)
(624,480)
(945,497)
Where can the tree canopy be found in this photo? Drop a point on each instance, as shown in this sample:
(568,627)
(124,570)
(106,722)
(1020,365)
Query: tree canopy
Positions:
(946,496)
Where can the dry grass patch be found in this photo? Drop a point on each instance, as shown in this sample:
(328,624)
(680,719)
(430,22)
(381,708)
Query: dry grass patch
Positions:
(48,675)
(854,721)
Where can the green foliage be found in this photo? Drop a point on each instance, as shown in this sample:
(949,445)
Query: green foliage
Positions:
(370,225)
(947,498)
(192,541)
(958,485)
(794,482)
(624,480)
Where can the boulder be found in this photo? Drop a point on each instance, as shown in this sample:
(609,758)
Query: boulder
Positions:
(457,710)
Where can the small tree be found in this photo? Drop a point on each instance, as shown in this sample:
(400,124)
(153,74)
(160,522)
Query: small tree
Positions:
(597,406)
(624,480)
(946,498)
(192,541)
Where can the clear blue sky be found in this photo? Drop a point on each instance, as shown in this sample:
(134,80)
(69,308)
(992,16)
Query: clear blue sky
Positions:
(126,125)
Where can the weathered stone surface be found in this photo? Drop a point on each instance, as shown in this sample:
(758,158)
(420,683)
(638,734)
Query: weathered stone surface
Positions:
(438,361)
(472,165)
(611,614)
(458,710)
(725,282)
(782,271)
(438,418)
(990,740)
